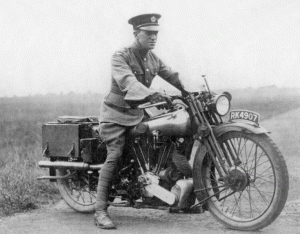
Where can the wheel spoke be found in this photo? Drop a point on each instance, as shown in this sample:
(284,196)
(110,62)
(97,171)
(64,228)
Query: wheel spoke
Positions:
(224,200)
(236,152)
(91,196)
(264,180)
(236,203)
(251,202)
(81,195)
(270,167)
(261,194)
(256,162)
(246,155)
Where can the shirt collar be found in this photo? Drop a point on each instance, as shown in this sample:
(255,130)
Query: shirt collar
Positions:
(139,51)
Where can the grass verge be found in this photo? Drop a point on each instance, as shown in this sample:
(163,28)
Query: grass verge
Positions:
(19,188)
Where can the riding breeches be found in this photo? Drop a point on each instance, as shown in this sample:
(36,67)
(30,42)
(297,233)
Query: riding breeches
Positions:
(114,137)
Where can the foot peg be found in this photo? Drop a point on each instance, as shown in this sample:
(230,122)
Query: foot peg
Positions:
(194,210)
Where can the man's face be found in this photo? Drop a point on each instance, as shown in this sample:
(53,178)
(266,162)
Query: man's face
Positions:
(147,39)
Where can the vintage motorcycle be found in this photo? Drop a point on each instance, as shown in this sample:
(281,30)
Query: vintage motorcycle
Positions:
(239,175)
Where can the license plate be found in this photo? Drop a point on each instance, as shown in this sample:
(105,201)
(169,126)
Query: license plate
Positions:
(244,115)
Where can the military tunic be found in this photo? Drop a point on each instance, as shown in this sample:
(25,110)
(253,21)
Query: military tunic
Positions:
(133,71)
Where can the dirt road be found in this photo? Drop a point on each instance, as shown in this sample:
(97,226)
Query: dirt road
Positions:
(60,219)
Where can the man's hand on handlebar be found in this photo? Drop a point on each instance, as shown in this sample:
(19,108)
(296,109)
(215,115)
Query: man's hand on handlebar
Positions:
(158,97)
(184,93)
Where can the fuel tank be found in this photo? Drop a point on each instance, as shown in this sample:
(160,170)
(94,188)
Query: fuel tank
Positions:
(176,123)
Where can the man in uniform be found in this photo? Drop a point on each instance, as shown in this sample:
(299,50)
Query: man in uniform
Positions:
(133,70)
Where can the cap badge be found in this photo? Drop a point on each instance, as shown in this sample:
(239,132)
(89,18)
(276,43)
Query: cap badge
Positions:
(153,19)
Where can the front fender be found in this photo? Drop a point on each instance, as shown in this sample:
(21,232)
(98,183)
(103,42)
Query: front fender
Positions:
(238,127)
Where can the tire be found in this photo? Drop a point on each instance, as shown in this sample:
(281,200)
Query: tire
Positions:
(257,188)
(76,190)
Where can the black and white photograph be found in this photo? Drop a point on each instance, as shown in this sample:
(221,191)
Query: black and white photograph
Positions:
(138,116)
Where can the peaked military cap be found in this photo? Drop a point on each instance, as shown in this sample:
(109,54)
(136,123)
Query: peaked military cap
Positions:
(148,22)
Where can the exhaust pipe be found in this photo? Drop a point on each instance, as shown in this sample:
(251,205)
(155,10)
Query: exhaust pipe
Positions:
(69,165)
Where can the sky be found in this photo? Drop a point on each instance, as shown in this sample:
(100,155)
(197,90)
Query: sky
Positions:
(54,46)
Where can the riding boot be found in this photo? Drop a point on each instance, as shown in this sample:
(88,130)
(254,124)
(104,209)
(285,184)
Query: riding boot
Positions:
(102,220)
(101,217)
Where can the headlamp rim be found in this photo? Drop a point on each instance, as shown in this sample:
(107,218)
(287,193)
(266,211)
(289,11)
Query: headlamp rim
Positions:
(215,102)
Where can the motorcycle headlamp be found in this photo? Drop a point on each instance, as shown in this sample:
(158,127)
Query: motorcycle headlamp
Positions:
(221,103)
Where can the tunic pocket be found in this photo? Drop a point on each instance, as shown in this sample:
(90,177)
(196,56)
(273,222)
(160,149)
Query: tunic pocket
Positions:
(154,71)
(136,70)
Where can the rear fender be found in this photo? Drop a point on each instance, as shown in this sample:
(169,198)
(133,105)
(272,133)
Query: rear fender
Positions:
(199,160)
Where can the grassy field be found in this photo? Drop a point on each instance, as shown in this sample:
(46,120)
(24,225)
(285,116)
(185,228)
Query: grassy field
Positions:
(21,120)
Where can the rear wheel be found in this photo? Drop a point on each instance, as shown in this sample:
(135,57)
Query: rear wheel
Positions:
(79,189)
(255,190)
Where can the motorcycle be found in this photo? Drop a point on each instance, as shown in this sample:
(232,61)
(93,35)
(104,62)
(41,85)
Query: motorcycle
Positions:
(238,173)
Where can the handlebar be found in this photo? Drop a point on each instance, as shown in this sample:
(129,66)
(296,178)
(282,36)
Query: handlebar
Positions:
(149,104)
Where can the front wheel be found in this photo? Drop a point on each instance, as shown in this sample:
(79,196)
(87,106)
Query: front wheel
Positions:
(254,192)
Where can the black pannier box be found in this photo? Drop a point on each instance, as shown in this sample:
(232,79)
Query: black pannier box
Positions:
(70,137)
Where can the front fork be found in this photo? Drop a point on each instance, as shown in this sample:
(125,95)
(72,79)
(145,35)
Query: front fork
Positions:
(212,149)
(206,135)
